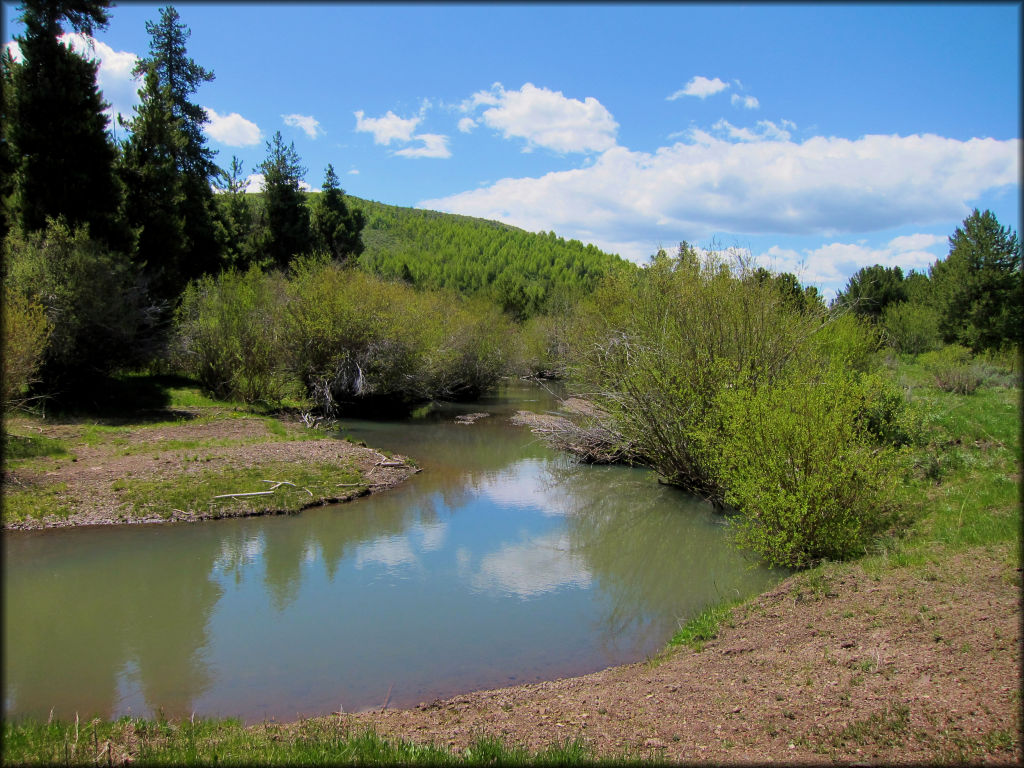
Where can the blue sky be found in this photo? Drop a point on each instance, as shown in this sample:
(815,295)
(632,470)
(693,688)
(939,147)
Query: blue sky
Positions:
(821,138)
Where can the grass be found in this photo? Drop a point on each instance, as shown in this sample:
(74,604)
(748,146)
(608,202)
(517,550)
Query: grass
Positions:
(35,502)
(227,742)
(703,627)
(310,482)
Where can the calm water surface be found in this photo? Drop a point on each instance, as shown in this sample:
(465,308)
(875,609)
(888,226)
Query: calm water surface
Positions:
(500,563)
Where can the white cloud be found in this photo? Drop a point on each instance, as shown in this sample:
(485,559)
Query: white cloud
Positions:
(547,118)
(434,145)
(354,172)
(254,182)
(308,123)
(467,124)
(386,129)
(747,102)
(832,264)
(232,130)
(766,131)
(764,183)
(114,75)
(701,87)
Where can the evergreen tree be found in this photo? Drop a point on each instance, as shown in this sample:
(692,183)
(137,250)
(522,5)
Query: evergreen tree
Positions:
(167,151)
(7,164)
(235,217)
(872,289)
(336,229)
(57,127)
(286,215)
(978,288)
(155,190)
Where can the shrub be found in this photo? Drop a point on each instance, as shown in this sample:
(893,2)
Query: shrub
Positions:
(92,297)
(228,335)
(356,339)
(801,469)
(911,328)
(655,347)
(953,369)
(26,331)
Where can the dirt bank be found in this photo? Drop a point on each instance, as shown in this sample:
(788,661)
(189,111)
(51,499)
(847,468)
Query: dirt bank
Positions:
(87,485)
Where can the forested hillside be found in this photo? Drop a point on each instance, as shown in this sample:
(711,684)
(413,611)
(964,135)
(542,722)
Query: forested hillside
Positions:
(526,273)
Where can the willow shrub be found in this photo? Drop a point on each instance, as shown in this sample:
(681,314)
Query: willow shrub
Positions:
(799,463)
(356,339)
(91,296)
(731,392)
(25,332)
(228,335)
(655,347)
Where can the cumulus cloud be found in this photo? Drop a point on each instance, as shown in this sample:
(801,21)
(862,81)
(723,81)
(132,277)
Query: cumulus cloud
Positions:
(701,87)
(831,265)
(434,145)
(757,185)
(392,128)
(467,124)
(747,102)
(386,129)
(232,130)
(113,76)
(307,123)
(546,118)
(254,182)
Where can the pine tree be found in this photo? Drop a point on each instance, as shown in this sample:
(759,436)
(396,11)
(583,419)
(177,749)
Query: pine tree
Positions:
(57,125)
(978,288)
(235,217)
(166,134)
(287,217)
(155,192)
(336,228)
(7,165)
(872,289)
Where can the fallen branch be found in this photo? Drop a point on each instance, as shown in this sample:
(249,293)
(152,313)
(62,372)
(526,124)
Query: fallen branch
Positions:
(254,493)
(390,463)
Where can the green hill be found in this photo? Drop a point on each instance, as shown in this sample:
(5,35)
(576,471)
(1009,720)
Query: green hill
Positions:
(525,272)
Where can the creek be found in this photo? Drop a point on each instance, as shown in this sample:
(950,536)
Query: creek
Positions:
(502,562)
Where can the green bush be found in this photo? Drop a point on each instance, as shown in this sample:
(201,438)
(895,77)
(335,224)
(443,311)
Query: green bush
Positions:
(911,328)
(26,331)
(953,369)
(803,472)
(655,347)
(356,339)
(228,335)
(92,298)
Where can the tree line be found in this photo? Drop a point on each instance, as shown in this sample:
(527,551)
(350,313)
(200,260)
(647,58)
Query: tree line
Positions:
(973,298)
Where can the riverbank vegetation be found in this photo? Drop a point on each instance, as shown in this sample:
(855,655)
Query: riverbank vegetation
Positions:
(883,429)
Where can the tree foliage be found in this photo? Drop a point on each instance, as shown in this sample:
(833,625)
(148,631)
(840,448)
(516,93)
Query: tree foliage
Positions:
(57,127)
(336,229)
(871,289)
(978,288)
(286,225)
(167,166)
(525,273)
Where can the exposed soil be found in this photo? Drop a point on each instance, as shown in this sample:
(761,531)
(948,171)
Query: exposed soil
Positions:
(919,665)
(90,475)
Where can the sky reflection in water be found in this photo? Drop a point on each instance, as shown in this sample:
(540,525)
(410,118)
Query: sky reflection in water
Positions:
(500,563)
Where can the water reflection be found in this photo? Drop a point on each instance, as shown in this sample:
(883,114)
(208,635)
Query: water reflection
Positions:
(499,563)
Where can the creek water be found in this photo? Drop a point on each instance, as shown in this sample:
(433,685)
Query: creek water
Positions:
(502,562)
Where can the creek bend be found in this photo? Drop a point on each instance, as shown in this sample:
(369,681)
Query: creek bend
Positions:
(501,563)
